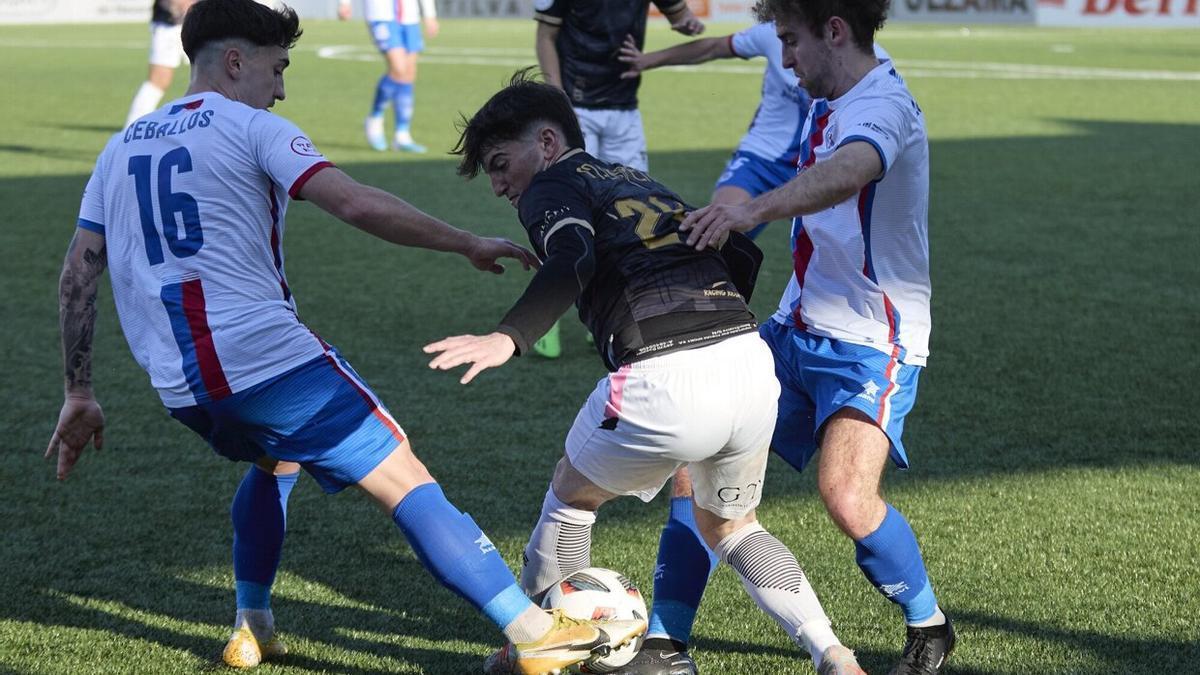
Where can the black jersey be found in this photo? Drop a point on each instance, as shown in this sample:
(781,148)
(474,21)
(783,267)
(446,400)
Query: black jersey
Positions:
(163,11)
(589,39)
(640,289)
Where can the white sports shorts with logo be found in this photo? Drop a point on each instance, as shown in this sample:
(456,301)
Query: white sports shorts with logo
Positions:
(166,45)
(615,136)
(712,408)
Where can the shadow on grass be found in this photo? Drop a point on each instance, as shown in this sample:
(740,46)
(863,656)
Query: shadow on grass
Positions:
(1043,305)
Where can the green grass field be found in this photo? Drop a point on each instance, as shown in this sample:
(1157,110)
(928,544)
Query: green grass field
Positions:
(1055,463)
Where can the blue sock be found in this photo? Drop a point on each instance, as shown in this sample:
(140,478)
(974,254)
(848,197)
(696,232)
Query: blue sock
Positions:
(680,575)
(402,99)
(259,515)
(458,554)
(891,561)
(385,91)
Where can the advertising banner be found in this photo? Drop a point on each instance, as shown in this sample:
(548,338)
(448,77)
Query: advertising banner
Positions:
(1122,13)
(965,11)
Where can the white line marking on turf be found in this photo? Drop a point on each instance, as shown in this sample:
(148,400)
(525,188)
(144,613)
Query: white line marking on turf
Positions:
(517,57)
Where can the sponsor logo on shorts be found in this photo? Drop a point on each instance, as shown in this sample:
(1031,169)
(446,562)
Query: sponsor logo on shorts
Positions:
(730,495)
(869,392)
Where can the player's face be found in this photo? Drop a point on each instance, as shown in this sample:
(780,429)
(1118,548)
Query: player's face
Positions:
(511,165)
(263,78)
(808,56)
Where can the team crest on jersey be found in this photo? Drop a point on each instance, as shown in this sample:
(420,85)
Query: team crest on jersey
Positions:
(303,146)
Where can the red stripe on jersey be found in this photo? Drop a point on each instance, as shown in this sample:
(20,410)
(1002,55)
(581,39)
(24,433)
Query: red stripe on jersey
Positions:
(206,353)
(802,252)
(816,138)
(294,191)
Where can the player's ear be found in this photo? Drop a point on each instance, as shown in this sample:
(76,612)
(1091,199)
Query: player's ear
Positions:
(548,141)
(232,60)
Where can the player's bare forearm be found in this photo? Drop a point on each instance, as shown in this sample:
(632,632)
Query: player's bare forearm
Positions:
(821,185)
(547,53)
(78,286)
(695,51)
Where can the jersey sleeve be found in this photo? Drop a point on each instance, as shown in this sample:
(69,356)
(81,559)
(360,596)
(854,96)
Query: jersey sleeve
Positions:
(669,7)
(553,205)
(550,11)
(91,206)
(284,152)
(750,42)
(428,9)
(883,123)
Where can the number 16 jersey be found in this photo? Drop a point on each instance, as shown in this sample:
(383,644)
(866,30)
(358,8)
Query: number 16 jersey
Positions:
(191,201)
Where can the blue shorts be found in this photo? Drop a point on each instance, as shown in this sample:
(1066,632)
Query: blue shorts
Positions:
(319,414)
(756,176)
(389,35)
(819,376)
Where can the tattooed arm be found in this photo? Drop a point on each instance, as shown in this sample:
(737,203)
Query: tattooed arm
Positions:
(81,420)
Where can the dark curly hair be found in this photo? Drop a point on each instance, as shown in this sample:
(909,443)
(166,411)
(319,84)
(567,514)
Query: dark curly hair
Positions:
(215,20)
(864,17)
(509,114)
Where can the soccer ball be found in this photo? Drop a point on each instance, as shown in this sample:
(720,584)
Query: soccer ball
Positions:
(598,593)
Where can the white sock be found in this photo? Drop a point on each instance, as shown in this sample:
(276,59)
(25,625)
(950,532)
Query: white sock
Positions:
(775,581)
(561,543)
(529,625)
(260,621)
(144,101)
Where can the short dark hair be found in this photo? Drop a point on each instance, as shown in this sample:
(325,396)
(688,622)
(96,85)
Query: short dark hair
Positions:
(864,17)
(508,114)
(215,20)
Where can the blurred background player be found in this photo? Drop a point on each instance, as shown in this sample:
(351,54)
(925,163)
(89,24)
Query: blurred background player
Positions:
(395,26)
(166,53)
(690,382)
(577,43)
(205,306)
(851,335)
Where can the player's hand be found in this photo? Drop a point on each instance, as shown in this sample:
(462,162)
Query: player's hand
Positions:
(81,421)
(481,351)
(344,11)
(711,225)
(486,250)
(432,27)
(686,23)
(631,55)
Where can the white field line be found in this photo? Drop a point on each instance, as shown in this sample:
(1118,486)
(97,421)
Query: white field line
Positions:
(517,57)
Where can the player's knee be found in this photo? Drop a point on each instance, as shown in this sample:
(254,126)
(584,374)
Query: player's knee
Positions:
(854,513)
(715,529)
(576,490)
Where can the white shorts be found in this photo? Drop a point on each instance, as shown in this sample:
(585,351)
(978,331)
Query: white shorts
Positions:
(166,47)
(614,136)
(712,408)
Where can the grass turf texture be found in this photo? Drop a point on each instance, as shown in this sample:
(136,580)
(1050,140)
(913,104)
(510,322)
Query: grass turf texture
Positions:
(1055,462)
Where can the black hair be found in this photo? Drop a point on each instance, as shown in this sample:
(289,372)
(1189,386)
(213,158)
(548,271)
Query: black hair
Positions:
(215,20)
(864,17)
(510,113)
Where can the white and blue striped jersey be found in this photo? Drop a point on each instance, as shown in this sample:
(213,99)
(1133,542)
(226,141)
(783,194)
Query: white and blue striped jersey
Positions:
(191,201)
(400,11)
(775,131)
(861,268)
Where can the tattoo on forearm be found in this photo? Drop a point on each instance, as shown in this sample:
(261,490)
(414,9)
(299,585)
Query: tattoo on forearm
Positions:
(77,311)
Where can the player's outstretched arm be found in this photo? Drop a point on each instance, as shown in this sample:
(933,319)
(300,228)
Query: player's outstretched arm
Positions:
(81,421)
(392,219)
(547,53)
(687,53)
(481,351)
(817,187)
(683,21)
